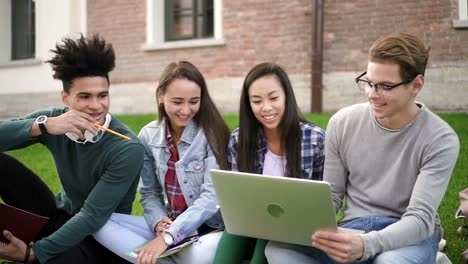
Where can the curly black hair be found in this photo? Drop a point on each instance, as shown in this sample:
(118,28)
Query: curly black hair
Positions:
(81,58)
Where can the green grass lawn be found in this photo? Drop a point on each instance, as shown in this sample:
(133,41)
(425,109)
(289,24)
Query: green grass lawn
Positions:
(39,160)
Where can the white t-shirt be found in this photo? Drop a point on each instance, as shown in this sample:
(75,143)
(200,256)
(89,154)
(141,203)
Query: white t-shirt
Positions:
(273,164)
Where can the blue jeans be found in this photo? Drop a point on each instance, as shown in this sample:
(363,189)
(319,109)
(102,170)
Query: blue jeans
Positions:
(425,252)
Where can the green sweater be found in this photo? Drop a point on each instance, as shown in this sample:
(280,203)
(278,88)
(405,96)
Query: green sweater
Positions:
(97,179)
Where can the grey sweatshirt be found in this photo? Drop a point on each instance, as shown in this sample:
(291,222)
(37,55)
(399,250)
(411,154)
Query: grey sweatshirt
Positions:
(400,173)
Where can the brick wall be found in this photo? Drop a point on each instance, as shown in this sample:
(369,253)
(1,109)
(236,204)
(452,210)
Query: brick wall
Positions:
(19,104)
(352,26)
(254,31)
(280,31)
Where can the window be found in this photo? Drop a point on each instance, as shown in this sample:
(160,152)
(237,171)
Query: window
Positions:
(183,23)
(462,21)
(188,19)
(23,29)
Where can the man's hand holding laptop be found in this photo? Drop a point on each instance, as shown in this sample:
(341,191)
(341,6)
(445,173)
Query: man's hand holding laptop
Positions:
(341,246)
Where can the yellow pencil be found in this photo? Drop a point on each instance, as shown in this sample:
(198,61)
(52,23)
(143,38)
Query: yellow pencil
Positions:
(112,132)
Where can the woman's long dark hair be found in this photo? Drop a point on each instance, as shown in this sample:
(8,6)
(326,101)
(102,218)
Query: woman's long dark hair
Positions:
(250,127)
(207,117)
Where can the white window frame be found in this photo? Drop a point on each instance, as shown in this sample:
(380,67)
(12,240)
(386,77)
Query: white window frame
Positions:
(462,21)
(5,40)
(155,29)
(47,12)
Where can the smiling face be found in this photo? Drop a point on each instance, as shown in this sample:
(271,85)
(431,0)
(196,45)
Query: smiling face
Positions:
(393,108)
(89,95)
(267,100)
(181,103)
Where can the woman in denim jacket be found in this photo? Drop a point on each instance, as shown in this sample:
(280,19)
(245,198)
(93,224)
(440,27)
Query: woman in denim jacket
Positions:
(279,143)
(188,139)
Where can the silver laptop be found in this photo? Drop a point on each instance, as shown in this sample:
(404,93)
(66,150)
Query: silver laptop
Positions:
(274,208)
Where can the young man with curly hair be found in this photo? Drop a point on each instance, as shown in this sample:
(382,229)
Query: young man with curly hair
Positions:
(99,172)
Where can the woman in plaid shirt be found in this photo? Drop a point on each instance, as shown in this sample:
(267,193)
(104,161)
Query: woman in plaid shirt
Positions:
(181,147)
(273,138)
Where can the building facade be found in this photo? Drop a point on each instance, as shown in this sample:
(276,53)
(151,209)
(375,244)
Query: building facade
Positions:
(225,38)
(28,30)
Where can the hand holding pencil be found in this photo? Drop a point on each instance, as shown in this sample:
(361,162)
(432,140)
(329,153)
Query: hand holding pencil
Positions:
(112,132)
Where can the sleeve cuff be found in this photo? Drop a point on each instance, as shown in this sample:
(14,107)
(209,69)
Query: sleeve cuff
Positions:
(174,231)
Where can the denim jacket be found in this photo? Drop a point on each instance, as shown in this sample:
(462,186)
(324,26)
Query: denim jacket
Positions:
(193,172)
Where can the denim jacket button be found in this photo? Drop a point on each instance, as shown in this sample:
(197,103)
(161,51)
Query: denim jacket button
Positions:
(198,167)
(185,181)
(190,196)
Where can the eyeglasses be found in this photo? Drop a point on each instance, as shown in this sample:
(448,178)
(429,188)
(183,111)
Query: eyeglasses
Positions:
(366,86)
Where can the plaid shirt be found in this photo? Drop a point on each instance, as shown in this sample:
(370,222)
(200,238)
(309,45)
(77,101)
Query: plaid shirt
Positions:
(174,193)
(312,151)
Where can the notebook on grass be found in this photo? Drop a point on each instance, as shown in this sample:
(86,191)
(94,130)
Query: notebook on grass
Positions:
(274,208)
(24,225)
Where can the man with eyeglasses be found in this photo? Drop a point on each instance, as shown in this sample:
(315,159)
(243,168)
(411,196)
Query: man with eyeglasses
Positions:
(98,171)
(391,160)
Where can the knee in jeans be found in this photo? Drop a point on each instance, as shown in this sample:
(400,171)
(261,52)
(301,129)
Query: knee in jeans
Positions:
(205,248)
(395,257)
(270,250)
(385,257)
(274,251)
(277,252)
(203,254)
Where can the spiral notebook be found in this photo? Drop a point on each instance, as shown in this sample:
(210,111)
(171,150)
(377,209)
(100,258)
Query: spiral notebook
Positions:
(22,224)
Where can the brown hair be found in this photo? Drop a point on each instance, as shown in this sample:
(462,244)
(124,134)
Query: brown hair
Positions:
(404,49)
(208,117)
